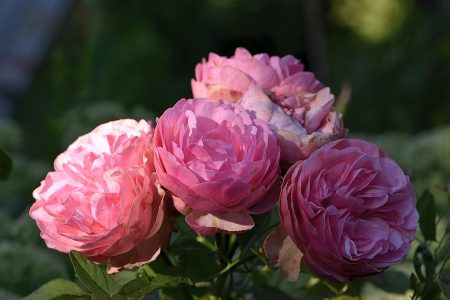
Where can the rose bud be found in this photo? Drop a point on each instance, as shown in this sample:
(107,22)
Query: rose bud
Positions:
(103,198)
(297,107)
(349,209)
(220,163)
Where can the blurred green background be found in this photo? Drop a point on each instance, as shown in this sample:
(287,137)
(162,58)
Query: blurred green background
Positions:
(387,62)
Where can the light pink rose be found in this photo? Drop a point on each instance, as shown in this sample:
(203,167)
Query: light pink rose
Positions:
(103,198)
(220,163)
(349,209)
(297,107)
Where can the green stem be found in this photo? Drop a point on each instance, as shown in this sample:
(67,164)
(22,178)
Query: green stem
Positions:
(233,246)
(260,255)
(218,241)
(225,242)
(230,267)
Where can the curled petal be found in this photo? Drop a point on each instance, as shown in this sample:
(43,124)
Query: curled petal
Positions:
(283,253)
(144,253)
(207,224)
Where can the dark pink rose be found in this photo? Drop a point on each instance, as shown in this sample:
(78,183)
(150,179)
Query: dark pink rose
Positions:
(220,163)
(103,199)
(349,209)
(297,107)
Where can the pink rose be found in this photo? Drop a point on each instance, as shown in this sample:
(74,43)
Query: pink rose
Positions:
(220,163)
(297,107)
(103,198)
(348,208)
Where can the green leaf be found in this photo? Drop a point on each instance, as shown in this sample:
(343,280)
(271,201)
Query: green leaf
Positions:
(196,261)
(124,276)
(147,282)
(5,165)
(168,281)
(427,213)
(57,289)
(391,281)
(444,282)
(93,277)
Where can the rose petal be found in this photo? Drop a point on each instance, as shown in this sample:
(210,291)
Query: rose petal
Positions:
(144,253)
(283,253)
(207,224)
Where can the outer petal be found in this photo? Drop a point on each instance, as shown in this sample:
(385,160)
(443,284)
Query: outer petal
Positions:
(206,224)
(228,77)
(145,252)
(298,83)
(199,89)
(283,253)
(289,132)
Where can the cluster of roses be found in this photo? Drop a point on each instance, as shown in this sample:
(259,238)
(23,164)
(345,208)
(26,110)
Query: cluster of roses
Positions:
(346,208)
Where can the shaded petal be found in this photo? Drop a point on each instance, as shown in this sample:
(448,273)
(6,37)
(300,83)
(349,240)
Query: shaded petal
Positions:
(283,253)
(144,253)
(207,224)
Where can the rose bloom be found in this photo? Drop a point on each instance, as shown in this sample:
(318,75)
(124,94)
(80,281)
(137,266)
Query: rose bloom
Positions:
(349,209)
(103,198)
(220,163)
(297,107)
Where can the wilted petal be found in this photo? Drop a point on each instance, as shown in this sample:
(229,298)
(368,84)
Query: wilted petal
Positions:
(144,253)
(283,253)
(206,224)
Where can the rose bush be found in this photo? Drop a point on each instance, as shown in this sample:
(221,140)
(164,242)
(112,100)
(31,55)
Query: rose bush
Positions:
(349,209)
(297,107)
(220,163)
(103,198)
(346,209)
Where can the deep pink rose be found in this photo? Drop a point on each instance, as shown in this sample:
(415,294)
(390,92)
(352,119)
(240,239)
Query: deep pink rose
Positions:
(349,209)
(220,163)
(103,198)
(297,107)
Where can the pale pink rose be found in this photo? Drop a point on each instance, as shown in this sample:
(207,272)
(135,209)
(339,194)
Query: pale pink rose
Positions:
(220,163)
(297,107)
(103,198)
(349,209)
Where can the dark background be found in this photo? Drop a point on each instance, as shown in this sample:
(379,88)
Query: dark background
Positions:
(387,62)
(144,53)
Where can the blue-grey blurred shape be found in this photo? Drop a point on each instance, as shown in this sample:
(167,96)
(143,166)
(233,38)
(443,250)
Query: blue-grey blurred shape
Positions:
(26,29)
